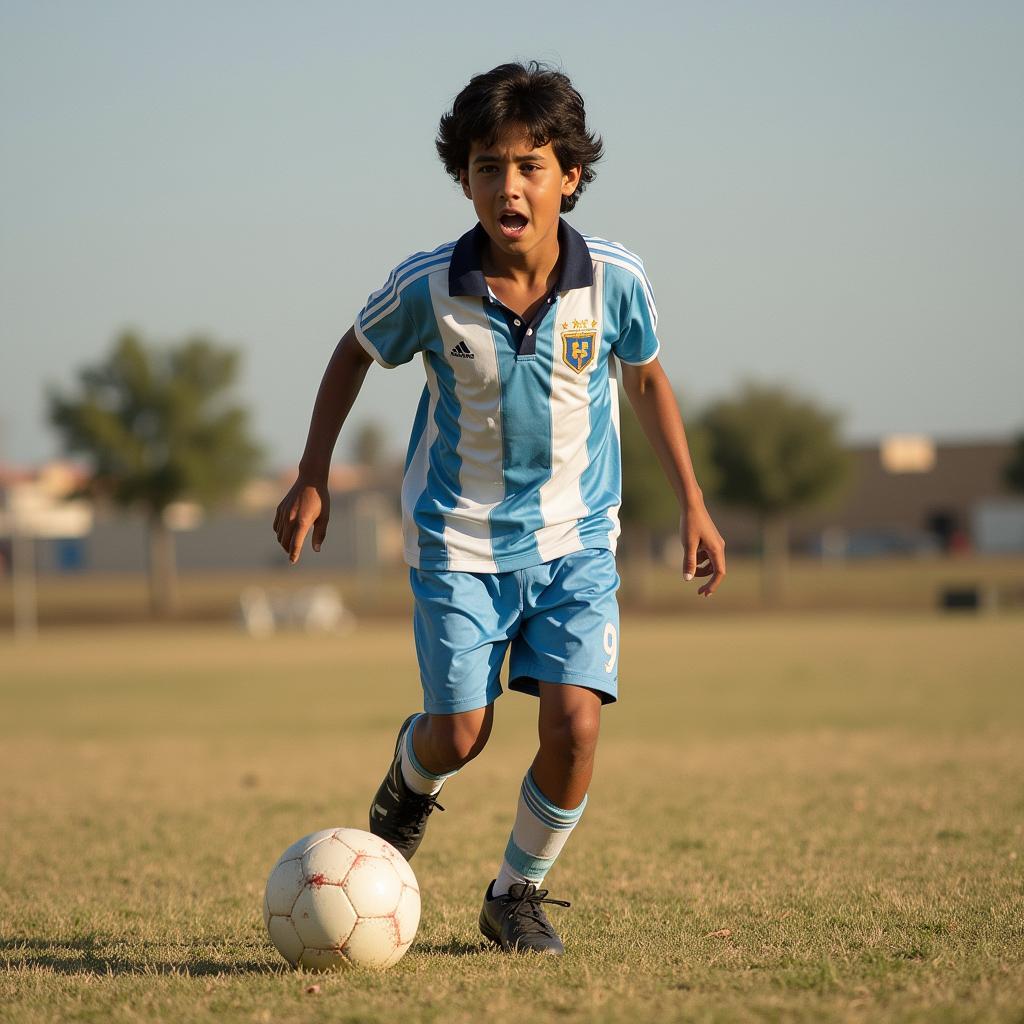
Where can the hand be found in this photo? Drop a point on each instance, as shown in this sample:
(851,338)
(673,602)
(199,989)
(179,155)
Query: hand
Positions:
(703,548)
(305,505)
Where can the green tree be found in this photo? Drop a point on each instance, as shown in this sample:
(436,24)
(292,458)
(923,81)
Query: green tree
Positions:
(775,453)
(1013,472)
(158,425)
(649,507)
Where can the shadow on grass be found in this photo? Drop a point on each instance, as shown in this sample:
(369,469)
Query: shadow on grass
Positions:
(51,955)
(453,947)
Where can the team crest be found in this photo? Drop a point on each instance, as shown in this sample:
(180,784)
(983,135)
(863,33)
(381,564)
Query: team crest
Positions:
(579,344)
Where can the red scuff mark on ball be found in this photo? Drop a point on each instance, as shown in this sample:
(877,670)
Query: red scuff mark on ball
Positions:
(317,880)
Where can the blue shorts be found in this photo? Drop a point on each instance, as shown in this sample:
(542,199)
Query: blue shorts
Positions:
(560,618)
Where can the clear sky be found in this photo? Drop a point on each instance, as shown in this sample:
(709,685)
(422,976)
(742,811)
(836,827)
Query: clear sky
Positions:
(826,194)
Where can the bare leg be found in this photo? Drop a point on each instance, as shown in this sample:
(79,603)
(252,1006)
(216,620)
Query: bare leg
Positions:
(570,719)
(444,743)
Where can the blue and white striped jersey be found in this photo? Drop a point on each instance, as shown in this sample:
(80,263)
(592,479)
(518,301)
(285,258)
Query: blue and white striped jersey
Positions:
(514,454)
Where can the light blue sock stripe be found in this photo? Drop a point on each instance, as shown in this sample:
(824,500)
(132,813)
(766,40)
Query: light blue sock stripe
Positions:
(554,809)
(414,760)
(549,813)
(533,868)
(542,811)
(555,824)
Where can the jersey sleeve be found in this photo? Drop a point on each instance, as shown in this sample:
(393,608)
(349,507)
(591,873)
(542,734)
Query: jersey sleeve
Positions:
(637,342)
(385,326)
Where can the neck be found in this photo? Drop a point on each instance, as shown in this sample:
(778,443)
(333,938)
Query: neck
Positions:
(527,269)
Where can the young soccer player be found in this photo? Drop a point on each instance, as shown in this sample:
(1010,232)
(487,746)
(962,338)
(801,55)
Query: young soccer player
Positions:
(512,480)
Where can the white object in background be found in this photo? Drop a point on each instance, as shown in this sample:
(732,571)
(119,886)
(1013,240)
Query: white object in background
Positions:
(997,526)
(314,609)
(257,615)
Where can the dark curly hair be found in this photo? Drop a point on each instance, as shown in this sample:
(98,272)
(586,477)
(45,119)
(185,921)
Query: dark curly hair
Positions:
(534,97)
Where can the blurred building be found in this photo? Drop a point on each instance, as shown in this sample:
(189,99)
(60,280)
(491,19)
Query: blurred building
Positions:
(907,495)
(364,531)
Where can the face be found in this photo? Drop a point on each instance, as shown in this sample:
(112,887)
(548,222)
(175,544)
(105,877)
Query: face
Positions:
(517,191)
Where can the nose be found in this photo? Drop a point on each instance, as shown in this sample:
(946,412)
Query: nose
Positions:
(510,183)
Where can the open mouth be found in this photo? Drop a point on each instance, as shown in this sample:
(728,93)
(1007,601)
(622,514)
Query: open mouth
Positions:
(512,224)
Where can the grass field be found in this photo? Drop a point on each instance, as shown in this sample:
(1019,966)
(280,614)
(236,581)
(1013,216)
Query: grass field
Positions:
(793,819)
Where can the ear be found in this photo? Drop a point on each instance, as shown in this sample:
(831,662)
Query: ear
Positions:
(464,182)
(570,179)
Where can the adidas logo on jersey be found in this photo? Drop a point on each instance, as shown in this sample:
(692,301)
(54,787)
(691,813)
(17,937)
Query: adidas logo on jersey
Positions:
(462,351)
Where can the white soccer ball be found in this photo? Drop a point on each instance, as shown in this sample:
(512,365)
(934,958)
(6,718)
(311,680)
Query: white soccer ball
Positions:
(340,898)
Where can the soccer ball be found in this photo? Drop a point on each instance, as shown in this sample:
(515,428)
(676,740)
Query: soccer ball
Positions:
(340,898)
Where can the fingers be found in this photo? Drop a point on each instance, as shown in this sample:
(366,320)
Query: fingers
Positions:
(282,526)
(690,556)
(319,532)
(696,560)
(298,538)
(303,508)
(716,556)
(290,529)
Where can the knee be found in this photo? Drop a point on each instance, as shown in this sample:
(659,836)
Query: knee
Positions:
(457,739)
(571,734)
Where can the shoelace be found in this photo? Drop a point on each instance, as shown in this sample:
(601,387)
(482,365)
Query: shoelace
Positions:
(410,824)
(528,906)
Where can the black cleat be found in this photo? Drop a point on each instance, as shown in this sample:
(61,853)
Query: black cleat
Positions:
(398,814)
(517,921)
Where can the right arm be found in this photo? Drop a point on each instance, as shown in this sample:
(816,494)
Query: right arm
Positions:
(308,503)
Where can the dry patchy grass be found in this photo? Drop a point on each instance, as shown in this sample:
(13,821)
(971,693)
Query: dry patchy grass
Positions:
(792,820)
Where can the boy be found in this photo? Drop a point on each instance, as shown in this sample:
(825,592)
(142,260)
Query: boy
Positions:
(512,480)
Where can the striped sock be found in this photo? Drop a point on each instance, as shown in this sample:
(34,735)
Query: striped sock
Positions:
(537,838)
(417,778)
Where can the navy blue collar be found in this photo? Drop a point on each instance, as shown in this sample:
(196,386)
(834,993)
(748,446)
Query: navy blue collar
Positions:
(466,275)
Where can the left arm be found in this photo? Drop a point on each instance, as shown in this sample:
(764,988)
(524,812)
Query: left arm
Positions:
(650,395)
